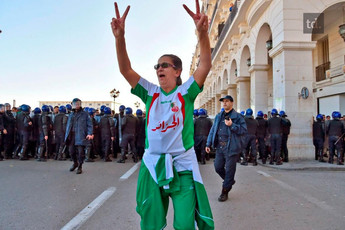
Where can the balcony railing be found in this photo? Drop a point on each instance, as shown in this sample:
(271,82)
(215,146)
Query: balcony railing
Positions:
(321,71)
(225,29)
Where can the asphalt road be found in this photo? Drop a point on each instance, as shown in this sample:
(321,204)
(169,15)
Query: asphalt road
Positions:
(45,195)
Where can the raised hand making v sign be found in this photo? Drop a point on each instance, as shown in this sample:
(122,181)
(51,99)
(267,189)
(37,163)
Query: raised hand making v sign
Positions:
(169,165)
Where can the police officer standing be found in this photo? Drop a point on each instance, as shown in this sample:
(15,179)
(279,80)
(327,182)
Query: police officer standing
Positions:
(27,126)
(60,123)
(319,137)
(9,125)
(91,147)
(335,131)
(202,127)
(225,136)
(119,117)
(261,133)
(129,128)
(35,133)
(45,127)
(78,132)
(140,138)
(286,125)
(107,129)
(2,129)
(275,129)
(250,138)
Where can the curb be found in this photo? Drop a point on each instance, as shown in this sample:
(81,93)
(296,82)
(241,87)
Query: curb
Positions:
(304,168)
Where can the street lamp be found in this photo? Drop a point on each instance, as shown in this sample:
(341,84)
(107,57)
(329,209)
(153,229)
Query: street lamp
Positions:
(114,94)
(137,104)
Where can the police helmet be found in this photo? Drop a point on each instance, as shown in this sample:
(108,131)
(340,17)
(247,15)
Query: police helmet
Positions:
(45,108)
(139,113)
(202,111)
(128,110)
(122,108)
(102,108)
(319,117)
(274,112)
(249,112)
(91,111)
(282,113)
(242,112)
(68,107)
(62,109)
(196,112)
(86,109)
(107,110)
(260,113)
(37,110)
(25,108)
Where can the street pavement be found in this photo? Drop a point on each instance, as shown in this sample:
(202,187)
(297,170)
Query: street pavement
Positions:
(45,195)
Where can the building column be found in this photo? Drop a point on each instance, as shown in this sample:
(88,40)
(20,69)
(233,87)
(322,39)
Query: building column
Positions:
(258,87)
(217,104)
(243,93)
(293,70)
(233,94)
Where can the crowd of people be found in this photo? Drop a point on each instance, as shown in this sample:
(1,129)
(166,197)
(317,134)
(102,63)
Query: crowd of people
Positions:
(46,132)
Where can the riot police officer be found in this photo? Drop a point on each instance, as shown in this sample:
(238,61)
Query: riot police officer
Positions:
(79,130)
(25,135)
(275,129)
(140,138)
(261,133)
(250,138)
(319,137)
(195,114)
(107,130)
(45,128)
(68,109)
(129,127)
(202,127)
(119,117)
(2,129)
(335,131)
(93,145)
(60,123)
(9,124)
(35,133)
(286,124)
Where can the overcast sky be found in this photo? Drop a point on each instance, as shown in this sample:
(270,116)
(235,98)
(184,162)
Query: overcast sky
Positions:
(59,50)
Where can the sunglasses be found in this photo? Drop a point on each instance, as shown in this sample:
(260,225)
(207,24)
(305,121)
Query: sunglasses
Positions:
(164,65)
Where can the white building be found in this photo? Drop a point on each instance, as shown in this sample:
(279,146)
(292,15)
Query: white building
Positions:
(264,52)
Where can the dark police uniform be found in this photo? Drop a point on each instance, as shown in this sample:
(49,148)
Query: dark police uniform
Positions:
(140,138)
(335,129)
(286,125)
(107,130)
(45,128)
(261,133)
(318,139)
(250,140)
(129,128)
(8,139)
(202,127)
(275,129)
(60,123)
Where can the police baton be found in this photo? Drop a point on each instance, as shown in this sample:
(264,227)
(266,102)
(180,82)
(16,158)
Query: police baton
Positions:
(339,139)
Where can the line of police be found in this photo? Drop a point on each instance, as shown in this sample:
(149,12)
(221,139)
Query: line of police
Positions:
(70,132)
(269,136)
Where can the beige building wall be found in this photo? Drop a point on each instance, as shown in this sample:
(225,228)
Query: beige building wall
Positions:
(263,78)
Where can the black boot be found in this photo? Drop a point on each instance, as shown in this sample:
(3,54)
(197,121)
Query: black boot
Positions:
(73,167)
(321,156)
(244,160)
(87,154)
(40,156)
(23,156)
(79,170)
(123,157)
(340,158)
(16,152)
(316,154)
(61,154)
(224,195)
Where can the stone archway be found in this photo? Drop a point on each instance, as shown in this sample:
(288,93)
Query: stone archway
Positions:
(243,80)
(261,78)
